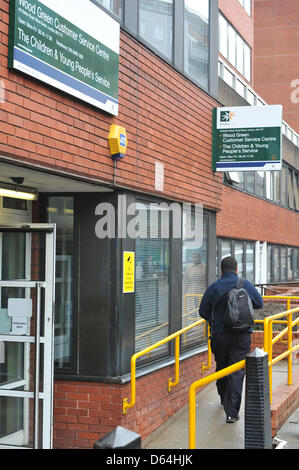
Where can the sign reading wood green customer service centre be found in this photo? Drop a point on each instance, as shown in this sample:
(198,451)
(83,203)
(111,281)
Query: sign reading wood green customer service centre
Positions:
(247,138)
(72,45)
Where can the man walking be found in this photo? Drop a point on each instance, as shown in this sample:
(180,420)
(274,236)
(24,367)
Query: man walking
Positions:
(228,348)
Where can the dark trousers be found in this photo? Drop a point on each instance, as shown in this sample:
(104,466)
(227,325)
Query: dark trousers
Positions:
(229,349)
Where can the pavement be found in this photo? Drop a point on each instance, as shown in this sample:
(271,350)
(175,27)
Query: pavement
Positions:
(212,431)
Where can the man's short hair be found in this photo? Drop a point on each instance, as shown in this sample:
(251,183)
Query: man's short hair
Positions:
(229,264)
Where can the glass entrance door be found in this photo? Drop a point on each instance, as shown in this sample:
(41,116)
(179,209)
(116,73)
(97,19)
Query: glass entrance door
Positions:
(27,255)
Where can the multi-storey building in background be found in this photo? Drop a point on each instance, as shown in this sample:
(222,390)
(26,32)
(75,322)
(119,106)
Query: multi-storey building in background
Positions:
(170,62)
(276,77)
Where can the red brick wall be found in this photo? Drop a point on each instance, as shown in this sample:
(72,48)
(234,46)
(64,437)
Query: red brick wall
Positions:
(250,218)
(85,412)
(167,119)
(277,54)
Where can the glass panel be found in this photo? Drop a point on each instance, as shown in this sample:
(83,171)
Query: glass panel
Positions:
(260,186)
(247,62)
(283,254)
(17,204)
(196,41)
(231,45)
(276,186)
(115,6)
(226,248)
(61,212)
(291,189)
(276,263)
(222,36)
(152,283)
(296,263)
(250,261)
(296,191)
(17,428)
(13,265)
(284,185)
(269,263)
(156,24)
(239,247)
(240,54)
(247,6)
(194,258)
(291,263)
(269,185)
(250,182)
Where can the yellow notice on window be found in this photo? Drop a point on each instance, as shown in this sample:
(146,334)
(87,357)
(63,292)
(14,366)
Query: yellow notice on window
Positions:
(128,272)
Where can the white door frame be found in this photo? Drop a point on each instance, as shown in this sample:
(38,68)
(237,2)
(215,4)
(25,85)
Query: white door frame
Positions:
(46,394)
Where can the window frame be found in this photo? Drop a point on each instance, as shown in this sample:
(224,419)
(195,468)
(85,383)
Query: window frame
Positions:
(130,24)
(234,63)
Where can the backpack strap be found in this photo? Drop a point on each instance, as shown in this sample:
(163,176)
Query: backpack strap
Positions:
(240,283)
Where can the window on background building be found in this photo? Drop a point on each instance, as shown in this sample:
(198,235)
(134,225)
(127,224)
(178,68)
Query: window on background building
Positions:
(246,4)
(239,255)
(260,186)
(276,263)
(61,212)
(296,191)
(152,283)
(114,6)
(249,185)
(196,40)
(276,184)
(243,251)
(291,263)
(281,187)
(233,47)
(269,263)
(296,263)
(156,24)
(223,44)
(250,264)
(283,263)
(194,282)
(226,249)
(284,194)
(232,38)
(291,201)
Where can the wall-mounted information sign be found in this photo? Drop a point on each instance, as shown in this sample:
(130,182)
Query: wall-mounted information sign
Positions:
(247,138)
(72,45)
(128,272)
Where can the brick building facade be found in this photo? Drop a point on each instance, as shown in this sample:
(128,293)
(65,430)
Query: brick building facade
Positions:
(59,145)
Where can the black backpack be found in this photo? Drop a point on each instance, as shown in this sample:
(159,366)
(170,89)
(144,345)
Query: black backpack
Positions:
(239,311)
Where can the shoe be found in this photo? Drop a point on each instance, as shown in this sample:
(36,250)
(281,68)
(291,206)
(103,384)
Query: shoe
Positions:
(230,419)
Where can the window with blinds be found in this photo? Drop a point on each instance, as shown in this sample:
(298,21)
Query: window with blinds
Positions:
(152,281)
(194,281)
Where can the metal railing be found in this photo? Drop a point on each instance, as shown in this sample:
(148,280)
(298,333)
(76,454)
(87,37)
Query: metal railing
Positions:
(129,404)
(268,344)
(176,336)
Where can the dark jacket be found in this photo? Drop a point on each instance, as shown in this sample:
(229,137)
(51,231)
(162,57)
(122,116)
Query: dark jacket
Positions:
(215,290)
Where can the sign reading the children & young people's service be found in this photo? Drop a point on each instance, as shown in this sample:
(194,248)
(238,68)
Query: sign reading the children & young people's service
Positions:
(72,45)
(247,138)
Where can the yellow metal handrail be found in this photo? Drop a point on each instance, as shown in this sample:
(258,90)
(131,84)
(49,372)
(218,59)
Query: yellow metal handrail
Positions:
(268,342)
(126,404)
(192,395)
